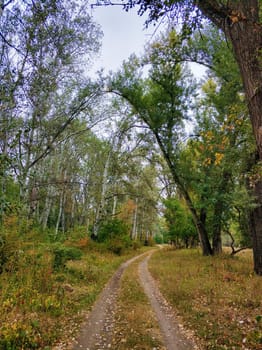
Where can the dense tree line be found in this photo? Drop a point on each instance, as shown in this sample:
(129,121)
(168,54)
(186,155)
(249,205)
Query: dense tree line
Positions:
(56,171)
(79,152)
(240,21)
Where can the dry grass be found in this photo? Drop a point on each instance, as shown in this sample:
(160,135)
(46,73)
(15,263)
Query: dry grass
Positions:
(219,298)
(41,306)
(135,326)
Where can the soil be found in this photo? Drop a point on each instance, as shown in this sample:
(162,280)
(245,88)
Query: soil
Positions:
(97,330)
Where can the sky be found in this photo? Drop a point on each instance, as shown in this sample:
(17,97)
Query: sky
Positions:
(124,34)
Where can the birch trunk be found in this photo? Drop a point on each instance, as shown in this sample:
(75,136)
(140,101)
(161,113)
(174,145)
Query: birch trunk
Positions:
(100,210)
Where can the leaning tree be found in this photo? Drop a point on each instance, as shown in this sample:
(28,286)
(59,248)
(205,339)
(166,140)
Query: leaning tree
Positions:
(240,20)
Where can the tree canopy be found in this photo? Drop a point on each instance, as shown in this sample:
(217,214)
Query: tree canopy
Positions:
(241,23)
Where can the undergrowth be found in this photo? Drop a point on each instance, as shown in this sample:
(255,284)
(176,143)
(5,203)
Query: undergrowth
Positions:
(218,297)
(45,287)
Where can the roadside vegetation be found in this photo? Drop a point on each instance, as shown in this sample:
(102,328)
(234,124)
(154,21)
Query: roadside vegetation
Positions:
(46,288)
(91,169)
(219,298)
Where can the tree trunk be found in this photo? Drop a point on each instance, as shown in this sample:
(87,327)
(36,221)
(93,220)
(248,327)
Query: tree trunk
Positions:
(216,239)
(201,230)
(219,210)
(202,233)
(240,23)
(114,205)
(101,206)
(59,214)
(246,38)
(46,210)
(256,230)
(134,227)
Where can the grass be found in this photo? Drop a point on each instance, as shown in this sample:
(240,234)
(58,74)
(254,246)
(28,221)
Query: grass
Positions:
(135,325)
(40,305)
(219,298)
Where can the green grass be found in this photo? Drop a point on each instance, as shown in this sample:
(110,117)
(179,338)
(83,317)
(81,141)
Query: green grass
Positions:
(219,298)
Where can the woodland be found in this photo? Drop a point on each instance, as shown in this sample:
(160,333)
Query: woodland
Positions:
(145,154)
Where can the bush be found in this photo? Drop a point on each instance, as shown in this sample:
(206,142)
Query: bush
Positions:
(62,254)
(7,250)
(19,335)
(113,234)
(116,246)
(158,238)
(149,242)
(112,229)
(136,245)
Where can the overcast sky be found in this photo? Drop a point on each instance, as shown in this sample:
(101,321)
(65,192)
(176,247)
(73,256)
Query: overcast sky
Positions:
(124,34)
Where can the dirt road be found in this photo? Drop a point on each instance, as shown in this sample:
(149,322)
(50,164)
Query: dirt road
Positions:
(97,331)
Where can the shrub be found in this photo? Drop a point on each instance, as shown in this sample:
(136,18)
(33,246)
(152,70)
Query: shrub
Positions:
(7,250)
(119,244)
(149,242)
(19,335)
(112,229)
(136,245)
(62,254)
(158,238)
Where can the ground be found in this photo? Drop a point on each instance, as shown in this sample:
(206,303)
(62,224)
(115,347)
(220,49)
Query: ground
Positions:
(99,331)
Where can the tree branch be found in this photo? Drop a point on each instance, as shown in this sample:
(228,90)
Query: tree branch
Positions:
(74,113)
(234,251)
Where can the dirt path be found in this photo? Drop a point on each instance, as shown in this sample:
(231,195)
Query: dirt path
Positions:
(173,336)
(97,331)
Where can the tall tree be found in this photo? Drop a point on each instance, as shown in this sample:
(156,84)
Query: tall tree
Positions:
(223,130)
(162,102)
(41,75)
(240,20)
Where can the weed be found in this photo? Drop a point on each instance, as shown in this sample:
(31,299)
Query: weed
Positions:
(45,289)
(62,254)
(218,297)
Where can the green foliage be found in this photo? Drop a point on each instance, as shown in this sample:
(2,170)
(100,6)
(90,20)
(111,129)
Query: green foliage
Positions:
(111,229)
(136,244)
(181,229)
(63,253)
(118,245)
(8,250)
(114,233)
(38,297)
(158,238)
(19,335)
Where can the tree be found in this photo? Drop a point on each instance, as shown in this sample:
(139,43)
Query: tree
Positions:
(222,146)
(162,102)
(240,20)
(181,229)
(41,82)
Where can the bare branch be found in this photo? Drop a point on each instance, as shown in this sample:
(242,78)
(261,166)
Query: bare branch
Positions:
(234,251)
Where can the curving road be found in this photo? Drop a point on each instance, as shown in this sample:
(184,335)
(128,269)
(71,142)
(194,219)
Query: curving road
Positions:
(98,328)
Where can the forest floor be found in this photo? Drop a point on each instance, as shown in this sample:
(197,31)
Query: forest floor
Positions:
(176,299)
(131,313)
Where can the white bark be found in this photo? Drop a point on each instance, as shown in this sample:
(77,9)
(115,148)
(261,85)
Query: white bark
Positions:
(134,228)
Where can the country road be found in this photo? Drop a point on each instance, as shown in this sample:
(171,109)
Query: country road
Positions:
(97,330)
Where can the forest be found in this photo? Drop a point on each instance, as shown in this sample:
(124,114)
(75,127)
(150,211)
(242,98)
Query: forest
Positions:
(147,154)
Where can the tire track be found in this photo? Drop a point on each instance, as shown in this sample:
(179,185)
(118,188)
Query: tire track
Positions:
(172,333)
(97,330)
